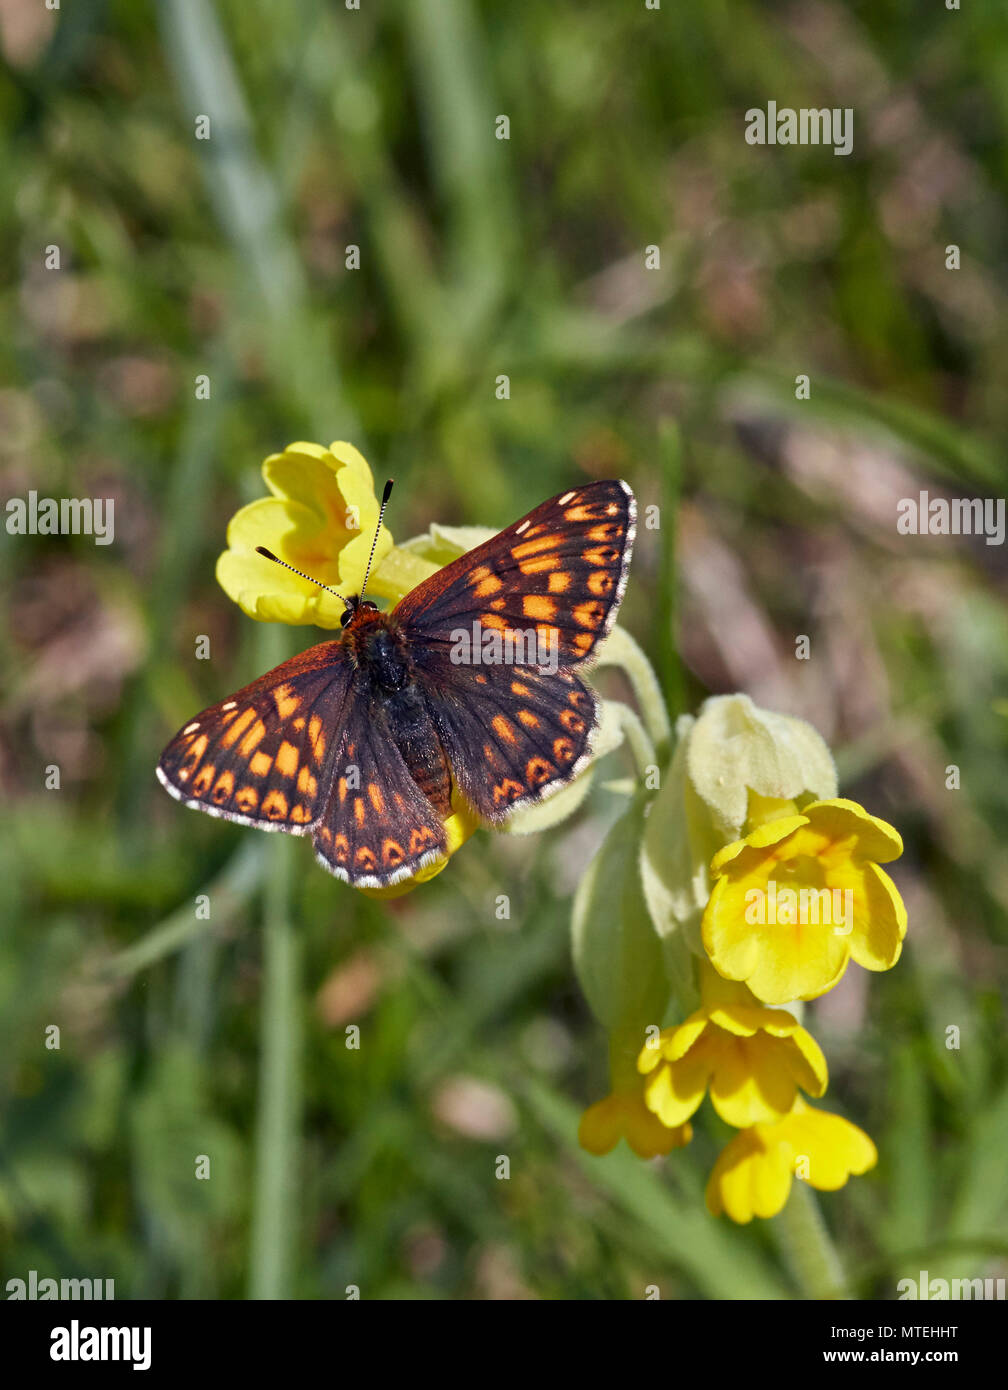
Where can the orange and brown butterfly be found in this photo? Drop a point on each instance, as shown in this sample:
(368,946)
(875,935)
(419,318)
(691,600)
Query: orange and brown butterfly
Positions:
(363,742)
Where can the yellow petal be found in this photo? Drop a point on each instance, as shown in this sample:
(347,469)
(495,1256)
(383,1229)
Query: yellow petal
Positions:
(763,837)
(675,1090)
(601,1126)
(648,1137)
(753,1081)
(269,593)
(749,1179)
(880,921)
(832,1148)
(840,819)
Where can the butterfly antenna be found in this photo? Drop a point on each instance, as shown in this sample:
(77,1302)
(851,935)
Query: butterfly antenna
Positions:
(261,550)
(381,512)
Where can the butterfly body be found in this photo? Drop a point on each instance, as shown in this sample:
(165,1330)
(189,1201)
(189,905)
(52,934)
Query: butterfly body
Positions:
(367,742)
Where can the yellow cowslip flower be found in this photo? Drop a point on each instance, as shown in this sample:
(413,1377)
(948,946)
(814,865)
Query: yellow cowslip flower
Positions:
(623,1115)
(320,518)
(753,1174)
(802,895)
(752,1058)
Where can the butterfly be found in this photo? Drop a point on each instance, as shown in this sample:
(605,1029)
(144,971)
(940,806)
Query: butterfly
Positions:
(467,688)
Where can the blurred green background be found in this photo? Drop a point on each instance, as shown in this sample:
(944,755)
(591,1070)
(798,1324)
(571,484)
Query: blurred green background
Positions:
(479,256)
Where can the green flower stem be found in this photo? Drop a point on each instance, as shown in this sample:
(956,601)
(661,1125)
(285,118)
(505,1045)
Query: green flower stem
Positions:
(620,649)
(807,1248)
(636,735)
(277,1163)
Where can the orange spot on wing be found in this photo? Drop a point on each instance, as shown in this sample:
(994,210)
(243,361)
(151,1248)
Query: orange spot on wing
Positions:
(600,582)
(235,730)
(540,566)
(584,511)
(358,810)
(317,738)
(598,556)
(608,531)
(518,689)
(488,586)
(306,783)
(583,641)
(538,770)
(260,764)
(559,582)
(420,839)
(252,739)
(588,614)
(287,759)
(275,806)
(502,728)
(538,606)
(286,701)
(563,750)
(536,547)
(375,796)
(247,800)
(196,750)
(527,718)
(300,815)
(224,787)
(204,778)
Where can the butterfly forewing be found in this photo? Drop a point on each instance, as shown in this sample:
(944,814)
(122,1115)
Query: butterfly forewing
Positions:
(263,756)
(514,720)
(559,573)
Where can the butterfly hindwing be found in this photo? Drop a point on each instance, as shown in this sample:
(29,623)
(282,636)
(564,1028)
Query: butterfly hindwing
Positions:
(378,826)
(512,734)
(263,756)
(559,573)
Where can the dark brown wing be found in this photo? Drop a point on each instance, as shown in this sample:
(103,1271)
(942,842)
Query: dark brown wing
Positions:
(264,756)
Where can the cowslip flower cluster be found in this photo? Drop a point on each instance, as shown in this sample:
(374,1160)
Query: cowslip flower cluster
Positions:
(320,518)
(761,887)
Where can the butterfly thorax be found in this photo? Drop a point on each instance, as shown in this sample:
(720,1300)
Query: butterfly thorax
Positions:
(380,653)
(377,646)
